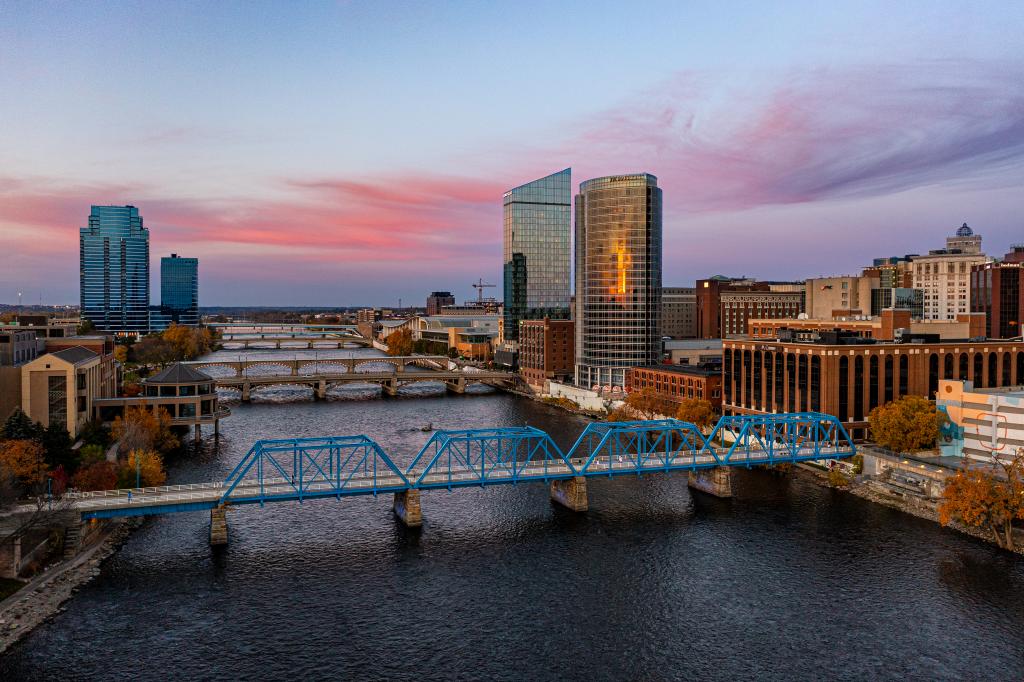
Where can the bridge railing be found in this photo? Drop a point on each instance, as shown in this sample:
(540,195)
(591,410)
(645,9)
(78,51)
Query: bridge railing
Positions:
(771,438)
(614,447)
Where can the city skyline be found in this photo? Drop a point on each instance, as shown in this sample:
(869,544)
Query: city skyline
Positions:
(787,132)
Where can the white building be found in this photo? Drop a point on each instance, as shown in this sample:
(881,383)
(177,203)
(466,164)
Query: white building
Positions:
(944,275)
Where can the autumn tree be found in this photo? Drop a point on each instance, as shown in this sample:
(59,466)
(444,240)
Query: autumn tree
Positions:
(148,472)
(143,429)
(121,353)
(987,498)
(25,460)
(99,475)
(400,343)
(906,425)
(698,412)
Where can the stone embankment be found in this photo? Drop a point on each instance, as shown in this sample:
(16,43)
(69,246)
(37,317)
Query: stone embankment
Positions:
(874,492)
(43,597)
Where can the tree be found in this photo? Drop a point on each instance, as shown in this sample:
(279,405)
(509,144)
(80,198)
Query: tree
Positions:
(25,460)
(86,327)
(19,427)
(121,353)
(698,412)
(95,433)
(143,429)
(991,499)
(648,404)
(96,476)
(400,342)
(906,425)
(150,471)
(56,441)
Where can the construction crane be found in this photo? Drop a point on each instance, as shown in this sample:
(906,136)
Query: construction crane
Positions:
(480,286)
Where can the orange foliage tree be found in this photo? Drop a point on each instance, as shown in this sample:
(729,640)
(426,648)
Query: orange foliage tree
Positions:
(142,429)
(24,459)
(698,412)
(400,342)
(990,499)
(905,425)
(150,469)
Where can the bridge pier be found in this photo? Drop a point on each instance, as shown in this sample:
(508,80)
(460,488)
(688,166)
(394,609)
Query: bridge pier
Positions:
(407,508)
(457,386)
(571,493)
(246,389)
(716,481)
(218,526)
(198,435)
(390,387)
(320,390)
(277,344)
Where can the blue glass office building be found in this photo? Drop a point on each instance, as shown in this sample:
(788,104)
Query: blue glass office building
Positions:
(179,289)
(114,270)
(537,247)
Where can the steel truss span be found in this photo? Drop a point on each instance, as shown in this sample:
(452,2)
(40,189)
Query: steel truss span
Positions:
(341,466)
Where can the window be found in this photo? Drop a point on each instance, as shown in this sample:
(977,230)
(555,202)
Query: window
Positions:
(57,399)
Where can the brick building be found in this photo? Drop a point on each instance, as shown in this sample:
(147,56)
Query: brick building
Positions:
(885,327)
(996,292)
(724,304)
(546,351)
(679,382)
(679,312)
(849,376)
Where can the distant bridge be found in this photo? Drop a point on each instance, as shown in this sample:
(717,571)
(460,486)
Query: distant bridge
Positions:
(297,366)
(341,466)
(271,327)
(324,339)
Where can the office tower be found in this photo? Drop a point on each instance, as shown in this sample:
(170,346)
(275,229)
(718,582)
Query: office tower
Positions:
(679,312)
(997,289)
(943,275)
(618,277)
(179,289)
(438,300)
(537,252)
(114,270)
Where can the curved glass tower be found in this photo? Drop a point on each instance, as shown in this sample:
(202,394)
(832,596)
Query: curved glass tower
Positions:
(114,270)
(618,278)
(536,246)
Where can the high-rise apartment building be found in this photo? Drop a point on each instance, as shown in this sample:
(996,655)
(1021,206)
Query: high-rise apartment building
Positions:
(679,312)
(997,289)
(438,300)
(618,277)
(537,229)
(944,275)
(179,289)
(114,270)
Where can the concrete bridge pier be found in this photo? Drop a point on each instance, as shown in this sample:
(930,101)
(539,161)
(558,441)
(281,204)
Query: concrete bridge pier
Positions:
(716,481)
(197,436)
(246,391)
(218,526)
(407,508)
(571,493)
(390,387)
(457,386)
(350,365)
(277,344)
(320,390)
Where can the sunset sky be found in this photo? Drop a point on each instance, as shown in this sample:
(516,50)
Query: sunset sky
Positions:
(346,153)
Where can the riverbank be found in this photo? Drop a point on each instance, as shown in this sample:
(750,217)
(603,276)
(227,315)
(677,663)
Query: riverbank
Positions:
(43,597)
(921,509)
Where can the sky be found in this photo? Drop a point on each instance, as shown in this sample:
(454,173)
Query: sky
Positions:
(355,153)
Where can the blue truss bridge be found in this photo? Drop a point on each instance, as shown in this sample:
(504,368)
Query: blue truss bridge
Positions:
(342,466)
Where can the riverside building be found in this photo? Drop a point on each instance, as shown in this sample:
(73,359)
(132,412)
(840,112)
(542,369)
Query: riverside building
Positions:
(114,270)
(537,229)
(179,289)
(618,278)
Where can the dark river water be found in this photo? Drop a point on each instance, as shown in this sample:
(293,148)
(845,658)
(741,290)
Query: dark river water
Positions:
(787,580)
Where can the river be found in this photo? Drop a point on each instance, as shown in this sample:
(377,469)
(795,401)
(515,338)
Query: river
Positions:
(788,580)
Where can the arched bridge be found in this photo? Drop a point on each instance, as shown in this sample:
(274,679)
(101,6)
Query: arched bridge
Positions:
(341,466)
(311,366)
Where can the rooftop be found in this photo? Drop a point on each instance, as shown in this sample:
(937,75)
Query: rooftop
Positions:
(179,374)
(76,355)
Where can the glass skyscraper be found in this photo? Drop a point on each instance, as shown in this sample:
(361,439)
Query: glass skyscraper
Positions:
(537,251)
(618,278)
(114,270)
(179,289)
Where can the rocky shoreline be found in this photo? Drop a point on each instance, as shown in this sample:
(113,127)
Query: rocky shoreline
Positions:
(44,596)
(865,491)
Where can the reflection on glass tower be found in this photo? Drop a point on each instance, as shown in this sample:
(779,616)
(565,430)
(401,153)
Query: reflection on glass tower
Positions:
(537,260)
(114,270)
(179,289)
(618,278)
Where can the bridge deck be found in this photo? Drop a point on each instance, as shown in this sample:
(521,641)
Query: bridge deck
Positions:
(199,496)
